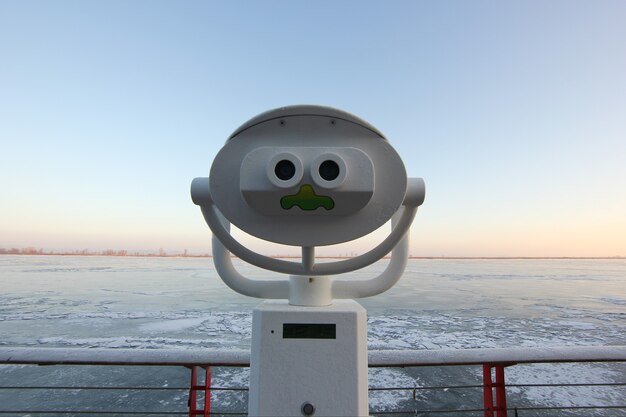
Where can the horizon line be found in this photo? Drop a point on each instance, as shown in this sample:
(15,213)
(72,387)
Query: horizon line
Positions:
(31,251)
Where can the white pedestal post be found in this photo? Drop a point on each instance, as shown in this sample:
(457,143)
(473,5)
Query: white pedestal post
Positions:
(309,361)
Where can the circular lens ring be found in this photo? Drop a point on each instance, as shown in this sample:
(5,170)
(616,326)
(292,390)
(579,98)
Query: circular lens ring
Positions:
(284,170)
(329,170)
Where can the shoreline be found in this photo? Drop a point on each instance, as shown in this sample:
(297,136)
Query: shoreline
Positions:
(207,256)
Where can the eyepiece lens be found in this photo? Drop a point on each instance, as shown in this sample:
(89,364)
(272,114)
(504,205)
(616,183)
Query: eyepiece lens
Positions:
(329,170)
(285,170)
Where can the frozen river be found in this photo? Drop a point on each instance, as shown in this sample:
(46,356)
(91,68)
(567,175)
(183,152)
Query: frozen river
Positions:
(152,303)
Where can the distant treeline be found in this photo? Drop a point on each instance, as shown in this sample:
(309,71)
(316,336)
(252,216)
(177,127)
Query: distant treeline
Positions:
(30,250)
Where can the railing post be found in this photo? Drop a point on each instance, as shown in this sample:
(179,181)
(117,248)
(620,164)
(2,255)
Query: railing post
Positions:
(500,392)
(207,392)
(487,390)
(192,393)
(499,410)
(193,396)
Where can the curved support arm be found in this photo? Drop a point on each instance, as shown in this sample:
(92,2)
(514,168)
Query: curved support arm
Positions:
(212,215)
(239,283)
(366,288)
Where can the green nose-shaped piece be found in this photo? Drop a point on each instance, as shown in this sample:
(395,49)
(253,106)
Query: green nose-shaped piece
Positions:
(306,199)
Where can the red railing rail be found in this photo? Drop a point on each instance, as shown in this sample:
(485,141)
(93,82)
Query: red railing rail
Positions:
(493,362)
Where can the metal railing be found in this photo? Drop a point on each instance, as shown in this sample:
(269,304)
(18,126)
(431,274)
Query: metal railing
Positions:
(489,359)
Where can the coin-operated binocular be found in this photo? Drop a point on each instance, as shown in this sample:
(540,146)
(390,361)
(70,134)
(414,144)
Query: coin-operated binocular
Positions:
(308,176)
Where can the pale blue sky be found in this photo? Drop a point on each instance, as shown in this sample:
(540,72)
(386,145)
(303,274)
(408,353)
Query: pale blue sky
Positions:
(513,112)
